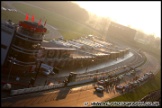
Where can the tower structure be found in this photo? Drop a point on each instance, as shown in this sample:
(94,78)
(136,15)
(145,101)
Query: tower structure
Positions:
(26,42)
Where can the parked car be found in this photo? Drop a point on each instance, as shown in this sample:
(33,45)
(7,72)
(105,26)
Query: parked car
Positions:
(46,69)
(3,8)
(121,77)
(47,72)
(137,69)
(135,83)
(145,77)
(127,87)
(138,82)
(141,79)
(131,84)
(106,81)
(119,87)
(100,89)
(132,72)
(149,74)
(14,10)
(128,74)
(101,82)
(9,9)
(53,73)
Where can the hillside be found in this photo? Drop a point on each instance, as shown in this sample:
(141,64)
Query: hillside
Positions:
(69,28)
(66,8)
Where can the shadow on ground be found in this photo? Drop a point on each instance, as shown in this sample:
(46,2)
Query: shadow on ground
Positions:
(99,94)
(63,93)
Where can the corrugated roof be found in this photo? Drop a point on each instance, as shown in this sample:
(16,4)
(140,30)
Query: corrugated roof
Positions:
(58,48)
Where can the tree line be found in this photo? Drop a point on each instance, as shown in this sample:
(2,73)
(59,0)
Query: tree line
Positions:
(66,9)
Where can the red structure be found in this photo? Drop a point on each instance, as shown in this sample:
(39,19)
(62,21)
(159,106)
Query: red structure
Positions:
(32,26)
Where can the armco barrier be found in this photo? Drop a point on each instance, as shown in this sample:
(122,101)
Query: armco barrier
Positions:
(80,82)
(35,89)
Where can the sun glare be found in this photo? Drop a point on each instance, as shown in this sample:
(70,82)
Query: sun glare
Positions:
(144,16)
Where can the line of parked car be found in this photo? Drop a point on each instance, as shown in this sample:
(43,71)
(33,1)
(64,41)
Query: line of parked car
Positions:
(7,9)
(99,87)
(133,84)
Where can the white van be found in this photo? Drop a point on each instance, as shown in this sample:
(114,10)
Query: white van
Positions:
(46,69)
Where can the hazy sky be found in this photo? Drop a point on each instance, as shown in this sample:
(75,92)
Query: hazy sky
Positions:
(145,16)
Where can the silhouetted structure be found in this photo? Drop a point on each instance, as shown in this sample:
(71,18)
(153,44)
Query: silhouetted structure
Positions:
(120,31)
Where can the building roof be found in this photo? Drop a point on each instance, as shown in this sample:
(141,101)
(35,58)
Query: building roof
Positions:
(58,48)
